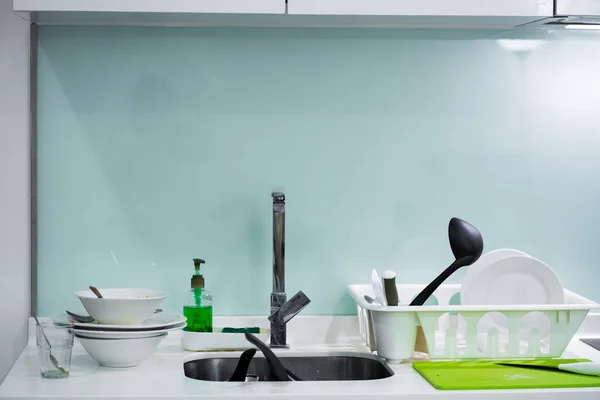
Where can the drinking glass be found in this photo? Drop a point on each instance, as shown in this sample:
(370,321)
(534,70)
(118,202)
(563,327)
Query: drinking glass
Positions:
(54,343)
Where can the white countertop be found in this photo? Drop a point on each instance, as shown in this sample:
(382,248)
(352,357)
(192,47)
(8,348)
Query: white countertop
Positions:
(161,375)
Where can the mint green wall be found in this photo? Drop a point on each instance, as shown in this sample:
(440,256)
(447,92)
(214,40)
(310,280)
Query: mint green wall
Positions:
(157,145)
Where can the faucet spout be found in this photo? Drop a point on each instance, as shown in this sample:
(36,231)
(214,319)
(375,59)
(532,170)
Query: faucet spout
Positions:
(282,310)
(278,242)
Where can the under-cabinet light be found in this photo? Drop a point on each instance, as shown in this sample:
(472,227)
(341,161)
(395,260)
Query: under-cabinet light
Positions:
(584,27)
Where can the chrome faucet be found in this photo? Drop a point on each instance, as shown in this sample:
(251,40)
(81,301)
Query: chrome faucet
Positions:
(282,311)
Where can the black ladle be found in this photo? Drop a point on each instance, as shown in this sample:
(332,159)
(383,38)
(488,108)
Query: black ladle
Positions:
(280,372)
(467,245)
(241,370)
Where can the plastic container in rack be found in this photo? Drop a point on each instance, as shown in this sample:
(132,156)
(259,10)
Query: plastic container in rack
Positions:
(455,331)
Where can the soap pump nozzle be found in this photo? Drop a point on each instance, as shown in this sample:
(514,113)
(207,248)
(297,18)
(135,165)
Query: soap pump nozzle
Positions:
(197,279)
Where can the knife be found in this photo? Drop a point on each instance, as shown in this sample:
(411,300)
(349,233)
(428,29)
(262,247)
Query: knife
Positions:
(574,366)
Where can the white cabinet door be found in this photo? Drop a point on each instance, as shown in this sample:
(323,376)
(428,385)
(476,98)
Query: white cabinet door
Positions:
(578,7)
(15,269)
(154,6)
(532,8)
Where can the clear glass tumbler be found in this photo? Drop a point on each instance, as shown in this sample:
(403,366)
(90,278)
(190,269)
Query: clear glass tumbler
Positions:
(54,343)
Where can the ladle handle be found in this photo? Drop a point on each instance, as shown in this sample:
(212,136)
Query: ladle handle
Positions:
(277,368)
(239,375)
(432,287)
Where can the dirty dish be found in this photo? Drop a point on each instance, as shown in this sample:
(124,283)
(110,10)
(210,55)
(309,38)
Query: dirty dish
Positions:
(121,306)
(120,353)
(157,321)
(126,335)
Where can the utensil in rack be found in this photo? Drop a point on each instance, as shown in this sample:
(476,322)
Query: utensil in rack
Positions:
(371,300)
(53,359)
(389,285)
(378,287)
(466,244)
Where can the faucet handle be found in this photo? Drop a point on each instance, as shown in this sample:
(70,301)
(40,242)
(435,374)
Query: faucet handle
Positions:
(290,309)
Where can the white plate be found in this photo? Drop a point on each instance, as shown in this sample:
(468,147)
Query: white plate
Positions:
(491,257)
(514,280)
(157,321)
(124,334)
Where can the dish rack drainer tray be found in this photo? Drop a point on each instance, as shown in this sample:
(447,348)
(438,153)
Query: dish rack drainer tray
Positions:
(453,331)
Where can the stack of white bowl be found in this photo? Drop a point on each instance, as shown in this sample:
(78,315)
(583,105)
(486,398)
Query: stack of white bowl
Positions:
(126,329)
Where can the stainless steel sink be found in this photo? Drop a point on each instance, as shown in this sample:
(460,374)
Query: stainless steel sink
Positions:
(331,367)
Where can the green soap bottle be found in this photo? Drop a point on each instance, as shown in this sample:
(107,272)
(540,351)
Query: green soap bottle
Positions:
(198,303)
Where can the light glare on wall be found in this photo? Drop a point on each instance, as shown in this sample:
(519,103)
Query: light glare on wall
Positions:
(519,45)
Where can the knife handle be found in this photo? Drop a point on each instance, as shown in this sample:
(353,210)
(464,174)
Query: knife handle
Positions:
(583,368)
(389,287)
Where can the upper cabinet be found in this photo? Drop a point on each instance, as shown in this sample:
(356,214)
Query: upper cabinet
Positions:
(578,7)
(150,12)
(425,13)
(498,8)
(292,13)
(154,6)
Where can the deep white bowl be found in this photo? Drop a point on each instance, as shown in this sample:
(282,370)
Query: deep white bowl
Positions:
(120,353)
(121,306)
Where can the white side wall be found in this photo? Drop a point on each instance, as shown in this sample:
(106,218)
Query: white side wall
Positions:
(15,293)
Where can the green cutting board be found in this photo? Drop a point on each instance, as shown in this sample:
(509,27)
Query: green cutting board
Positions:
(476,375)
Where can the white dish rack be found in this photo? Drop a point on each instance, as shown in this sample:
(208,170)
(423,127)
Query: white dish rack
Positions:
(453,331)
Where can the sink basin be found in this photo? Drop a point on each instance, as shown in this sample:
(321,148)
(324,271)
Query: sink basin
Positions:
(330,367)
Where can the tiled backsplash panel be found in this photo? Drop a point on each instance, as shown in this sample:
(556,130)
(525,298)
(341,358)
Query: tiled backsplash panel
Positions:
(157,145)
